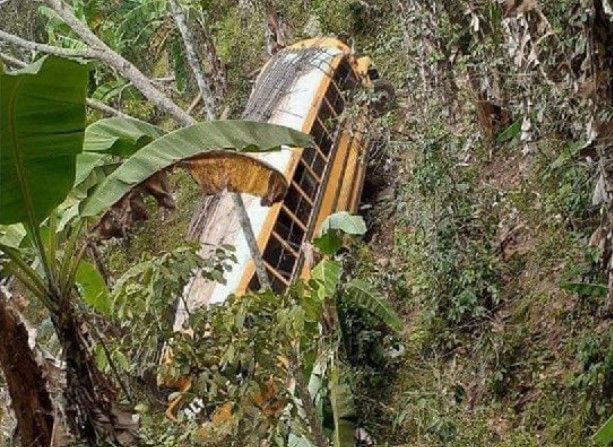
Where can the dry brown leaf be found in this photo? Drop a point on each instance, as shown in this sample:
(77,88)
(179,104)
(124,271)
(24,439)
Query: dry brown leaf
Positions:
(157,186)
(598,238)
(515,7)
(216,171)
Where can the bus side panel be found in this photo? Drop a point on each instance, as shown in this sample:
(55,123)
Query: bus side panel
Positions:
(335,180)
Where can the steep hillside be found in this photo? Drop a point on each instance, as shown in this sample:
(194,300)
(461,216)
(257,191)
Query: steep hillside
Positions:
(482,236)
(488,209)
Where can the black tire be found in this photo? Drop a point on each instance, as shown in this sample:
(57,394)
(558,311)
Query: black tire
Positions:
(384,96)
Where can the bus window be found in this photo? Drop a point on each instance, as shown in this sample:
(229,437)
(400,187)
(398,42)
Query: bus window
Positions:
(282,253)
(335,98)
(280,256)
(305,179)
(298,203)
(344,76)
(287,228)
(322,137)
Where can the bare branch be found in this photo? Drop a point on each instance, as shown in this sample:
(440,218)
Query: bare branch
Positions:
(194,103)
(13,62)
(99,105)
(193,59)
(48,49)
(119,63)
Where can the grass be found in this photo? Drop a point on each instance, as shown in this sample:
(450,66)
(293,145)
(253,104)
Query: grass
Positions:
(520,363)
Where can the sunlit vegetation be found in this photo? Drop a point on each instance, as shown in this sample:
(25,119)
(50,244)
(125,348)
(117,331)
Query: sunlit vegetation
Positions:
(470,307)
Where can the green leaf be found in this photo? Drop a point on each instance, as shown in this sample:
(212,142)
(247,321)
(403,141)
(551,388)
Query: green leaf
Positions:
(329,273)
(13,235)
(316,387)
(345,222)
(510,132)
(343,410)
(42,124)
(295,441)
(585,289)
(121,360)
(86,163)
(103,139)
(109,90)
(93,289)
(119,136)
(567,154)
(604,435)
(361,295)
(329,243)
(330,238)
(206,143)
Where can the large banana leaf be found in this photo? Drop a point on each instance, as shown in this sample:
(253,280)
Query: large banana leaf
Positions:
(111,136)
(119,136)
(87,162)
(42,123)
(361,295)
(210,150)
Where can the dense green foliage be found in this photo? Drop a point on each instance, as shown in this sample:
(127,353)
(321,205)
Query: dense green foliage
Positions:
(483,236)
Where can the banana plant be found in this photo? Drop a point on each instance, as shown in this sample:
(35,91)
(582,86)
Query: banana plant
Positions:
(42,129)
(329,378)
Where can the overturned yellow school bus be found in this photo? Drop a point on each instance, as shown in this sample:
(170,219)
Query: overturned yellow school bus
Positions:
(305,87)
(309,87)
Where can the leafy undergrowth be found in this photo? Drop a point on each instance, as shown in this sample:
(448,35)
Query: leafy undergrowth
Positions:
(481,249)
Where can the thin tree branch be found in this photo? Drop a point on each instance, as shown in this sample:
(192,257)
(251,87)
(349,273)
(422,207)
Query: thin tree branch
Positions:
(209,105)
(99,105)
(10,60)
(48,49)
(119,63)
(252,243)
(193,59)
(194,103)
(92,103)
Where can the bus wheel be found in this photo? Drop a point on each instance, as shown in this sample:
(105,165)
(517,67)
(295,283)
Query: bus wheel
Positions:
(384,96)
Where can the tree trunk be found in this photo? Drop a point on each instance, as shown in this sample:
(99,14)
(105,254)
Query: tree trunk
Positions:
(26,381)
(193,59)
(217,68)
(90,397)
(275,29)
